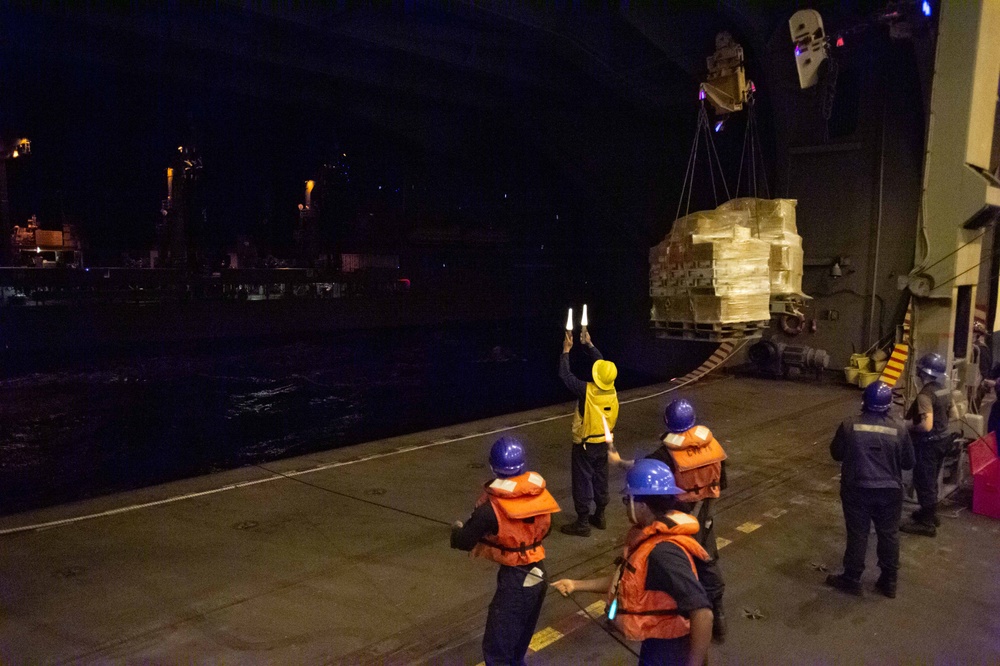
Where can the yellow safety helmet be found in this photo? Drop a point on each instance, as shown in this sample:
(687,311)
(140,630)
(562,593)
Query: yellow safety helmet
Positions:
(604,373)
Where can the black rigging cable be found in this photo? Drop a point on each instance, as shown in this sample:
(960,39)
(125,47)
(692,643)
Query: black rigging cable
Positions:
(751,139)
(714,163)
(603,628)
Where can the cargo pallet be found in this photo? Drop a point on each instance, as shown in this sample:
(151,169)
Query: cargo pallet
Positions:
(712,332)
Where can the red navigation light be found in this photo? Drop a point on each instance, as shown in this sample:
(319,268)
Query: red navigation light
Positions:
(840,41)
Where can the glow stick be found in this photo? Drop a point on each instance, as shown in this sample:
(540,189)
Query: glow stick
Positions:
(608,437)
(583,320)
(569,320)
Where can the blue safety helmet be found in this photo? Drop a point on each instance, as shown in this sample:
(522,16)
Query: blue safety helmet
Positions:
(932,366)
(650,477)
(679,416)
(507,457)
(877,397)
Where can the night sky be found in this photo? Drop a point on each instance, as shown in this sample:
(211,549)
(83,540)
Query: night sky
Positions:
(106,98)
(582,114)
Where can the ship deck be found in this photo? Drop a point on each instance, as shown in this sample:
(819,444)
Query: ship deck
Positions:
(342,556)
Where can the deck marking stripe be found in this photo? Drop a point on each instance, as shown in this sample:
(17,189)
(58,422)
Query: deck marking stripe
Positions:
(776,513)
(544,638)
(334,465)
(721,542)
(748,527)
(549,635)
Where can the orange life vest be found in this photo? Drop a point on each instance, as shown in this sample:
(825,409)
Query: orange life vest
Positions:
(642,613)
(697,457)
(523,508)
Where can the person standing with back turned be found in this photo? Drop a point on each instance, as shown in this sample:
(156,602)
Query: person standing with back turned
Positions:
(511,519)
(873,448)
(589,460)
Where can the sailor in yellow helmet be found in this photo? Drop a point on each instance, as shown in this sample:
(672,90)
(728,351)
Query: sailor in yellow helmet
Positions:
(597,402)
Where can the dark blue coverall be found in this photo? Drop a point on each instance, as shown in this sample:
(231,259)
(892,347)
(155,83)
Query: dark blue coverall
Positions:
(873,449)
(514,611)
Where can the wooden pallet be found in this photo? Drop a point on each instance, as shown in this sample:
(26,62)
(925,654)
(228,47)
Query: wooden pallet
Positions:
(714,332)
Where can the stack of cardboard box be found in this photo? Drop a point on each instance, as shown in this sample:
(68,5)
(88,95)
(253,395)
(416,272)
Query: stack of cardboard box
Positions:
(710,270)
(773,220)
(723,266)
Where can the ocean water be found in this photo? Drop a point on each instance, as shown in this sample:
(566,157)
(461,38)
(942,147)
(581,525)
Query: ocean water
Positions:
(81,426)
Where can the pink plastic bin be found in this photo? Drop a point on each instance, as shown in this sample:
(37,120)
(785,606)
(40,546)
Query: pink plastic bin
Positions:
(985,466)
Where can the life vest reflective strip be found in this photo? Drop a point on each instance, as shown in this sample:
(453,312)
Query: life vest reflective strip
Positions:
(523,509)
(589,427)
(697,458)
(881,430)
(643,613)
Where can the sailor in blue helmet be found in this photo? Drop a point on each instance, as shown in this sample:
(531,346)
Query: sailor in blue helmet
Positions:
(511,519)
(873,448)
(697,461)
(655,596)
(929,414)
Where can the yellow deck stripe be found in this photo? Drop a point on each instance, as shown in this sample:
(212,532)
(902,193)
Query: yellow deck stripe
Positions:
(547,636)
(544,638)
(748,527)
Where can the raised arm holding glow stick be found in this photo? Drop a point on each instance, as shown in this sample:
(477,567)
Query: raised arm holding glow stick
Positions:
(592,430)
(584,334)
